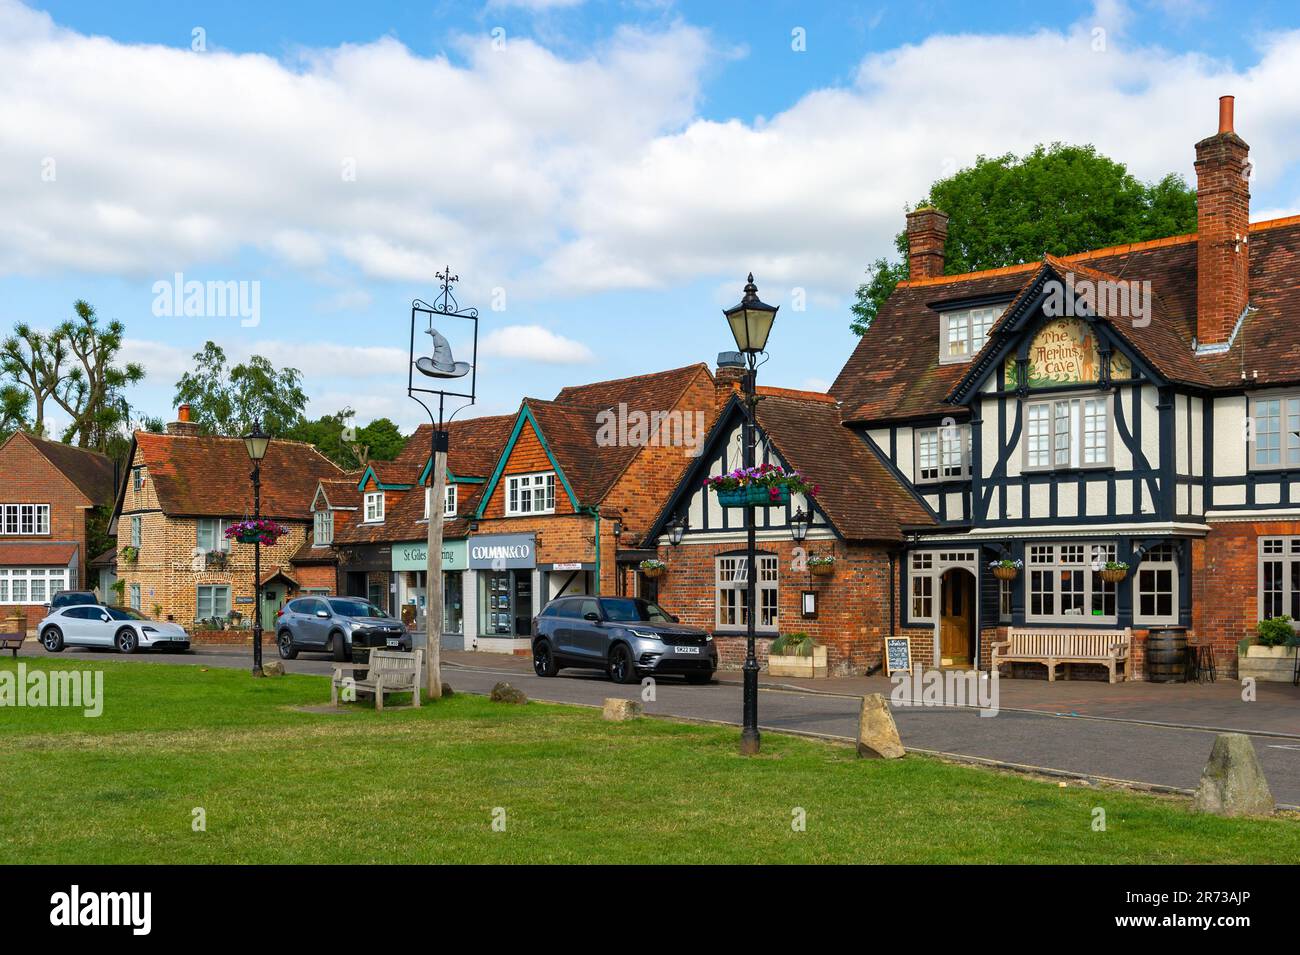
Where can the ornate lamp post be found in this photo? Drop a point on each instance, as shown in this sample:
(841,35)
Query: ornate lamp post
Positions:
(256,443)
(440,366)
(751,322)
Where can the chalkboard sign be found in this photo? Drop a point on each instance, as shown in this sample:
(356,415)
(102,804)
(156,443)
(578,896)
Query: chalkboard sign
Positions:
(898,655)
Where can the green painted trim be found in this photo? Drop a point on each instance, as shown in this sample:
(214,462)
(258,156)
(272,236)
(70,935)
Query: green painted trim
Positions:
(525,415)
(380,485)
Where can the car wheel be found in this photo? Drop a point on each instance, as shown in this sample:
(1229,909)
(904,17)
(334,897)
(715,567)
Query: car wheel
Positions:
(284,643)
(52,640)
(127,640)
(338,648)
(621,669)
(544,660)
(699,679)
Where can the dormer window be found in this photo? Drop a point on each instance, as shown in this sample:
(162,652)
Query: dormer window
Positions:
(374,507)
(962,332)
(322,528)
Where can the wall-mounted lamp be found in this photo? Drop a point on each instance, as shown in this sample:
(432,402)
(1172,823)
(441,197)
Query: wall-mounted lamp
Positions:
(676,528)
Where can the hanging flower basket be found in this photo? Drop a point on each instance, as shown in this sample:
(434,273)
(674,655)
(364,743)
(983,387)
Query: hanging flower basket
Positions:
(1006,569)
(653,568)
(1114,572)
(821,566)
(765,485)
(257,530)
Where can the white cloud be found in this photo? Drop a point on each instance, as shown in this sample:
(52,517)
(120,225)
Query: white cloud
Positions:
(548,175)
(534,343)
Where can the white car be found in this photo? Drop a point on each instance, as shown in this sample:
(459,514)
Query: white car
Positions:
(94,625)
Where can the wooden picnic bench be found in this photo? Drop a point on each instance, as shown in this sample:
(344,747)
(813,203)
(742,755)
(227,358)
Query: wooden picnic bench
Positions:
(12,640)
(1055,646)
(388,671)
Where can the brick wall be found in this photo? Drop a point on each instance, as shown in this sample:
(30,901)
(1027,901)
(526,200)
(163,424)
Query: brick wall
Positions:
(852,606)
(1225,584)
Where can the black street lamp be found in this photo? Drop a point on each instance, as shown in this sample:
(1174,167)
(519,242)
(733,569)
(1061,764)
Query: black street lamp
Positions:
(751,323)
(799,526)
(256,443)
(676,530)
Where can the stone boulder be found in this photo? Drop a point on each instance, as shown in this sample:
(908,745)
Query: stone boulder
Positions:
(877,734)
(447,690)
(1232,783)
(505,693)
(619,711)
(274,668)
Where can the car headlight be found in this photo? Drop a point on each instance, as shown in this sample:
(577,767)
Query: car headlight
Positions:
(644,635)
(148,630)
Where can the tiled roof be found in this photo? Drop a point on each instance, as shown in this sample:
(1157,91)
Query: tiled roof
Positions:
(657,391)
(207,475)
(860,496)
(37,553)
(308,553)
(894,371)
(106,559)
(90,471)
(474,445)
(570,432)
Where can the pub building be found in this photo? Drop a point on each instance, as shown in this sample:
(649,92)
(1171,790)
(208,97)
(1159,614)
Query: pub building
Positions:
(1136,405)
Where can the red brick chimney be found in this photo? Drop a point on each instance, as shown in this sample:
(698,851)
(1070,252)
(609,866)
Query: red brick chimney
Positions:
(727,379)
(927,231)
(183,424)
(1222,223)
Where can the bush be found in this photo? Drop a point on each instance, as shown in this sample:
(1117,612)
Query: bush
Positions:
(792,645)
(1276,631)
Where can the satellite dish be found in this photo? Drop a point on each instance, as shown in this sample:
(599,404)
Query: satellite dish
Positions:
(442,364)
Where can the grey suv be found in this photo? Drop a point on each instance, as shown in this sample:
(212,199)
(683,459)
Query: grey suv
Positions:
(625,636)
(338,625)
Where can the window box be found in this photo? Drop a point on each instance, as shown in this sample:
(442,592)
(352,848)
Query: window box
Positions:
(764,485)
(754,496)
(215,560)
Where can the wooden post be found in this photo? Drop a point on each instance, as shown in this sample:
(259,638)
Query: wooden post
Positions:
(433,574)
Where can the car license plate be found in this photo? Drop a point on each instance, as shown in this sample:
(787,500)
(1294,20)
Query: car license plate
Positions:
(392,641)
(695,650)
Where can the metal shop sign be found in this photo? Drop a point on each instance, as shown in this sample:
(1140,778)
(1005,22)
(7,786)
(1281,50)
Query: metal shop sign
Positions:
(502,552)
(415,555)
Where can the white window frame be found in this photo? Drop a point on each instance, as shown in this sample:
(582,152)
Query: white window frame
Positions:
(1061,433)
(217,528)
(136,531)
(134,597)
(374,503)
(921,590)
(964,331)
(322,528)
(137,478)
(1157,561)
(944,451)
(449,500)
(1276,432)
(522,493)
(1284,552)
(31,585)
(212,590)
(25,520)
(730,591)
(1049,563)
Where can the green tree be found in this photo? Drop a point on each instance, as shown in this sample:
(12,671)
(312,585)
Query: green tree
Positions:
(14,405)
(226,400)
(381,440)
(1055,200)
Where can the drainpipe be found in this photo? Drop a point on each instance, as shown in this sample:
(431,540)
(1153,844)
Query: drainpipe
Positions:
(595,512)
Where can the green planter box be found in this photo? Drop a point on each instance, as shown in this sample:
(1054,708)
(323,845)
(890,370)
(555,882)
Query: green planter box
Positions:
(753,496)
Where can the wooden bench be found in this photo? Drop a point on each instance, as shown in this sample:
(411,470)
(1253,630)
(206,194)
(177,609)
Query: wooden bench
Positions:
(1052,647)
(389,671)
(13,641)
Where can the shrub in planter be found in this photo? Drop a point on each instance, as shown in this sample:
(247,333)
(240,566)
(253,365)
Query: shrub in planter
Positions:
(1276,632)
(653,568)
(798,655)
(792,645)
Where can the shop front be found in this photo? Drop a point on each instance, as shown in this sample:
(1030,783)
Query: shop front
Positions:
(506,584)
(410,563)
(365,571)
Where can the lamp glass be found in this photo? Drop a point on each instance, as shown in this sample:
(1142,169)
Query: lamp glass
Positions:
(675,531)
(256,442)
(799,525)
(751,323)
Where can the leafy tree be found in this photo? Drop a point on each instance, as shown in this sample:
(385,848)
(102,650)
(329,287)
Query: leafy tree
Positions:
(381,440)
(1055,200)
(33,360)
(226,400)
(14,405)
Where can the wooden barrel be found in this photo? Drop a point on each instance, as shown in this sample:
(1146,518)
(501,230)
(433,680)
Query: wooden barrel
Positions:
(1166,660)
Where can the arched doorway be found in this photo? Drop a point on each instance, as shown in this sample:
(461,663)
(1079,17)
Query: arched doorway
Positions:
(957,618)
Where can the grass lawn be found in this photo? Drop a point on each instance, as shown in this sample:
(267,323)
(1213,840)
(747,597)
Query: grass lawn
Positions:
(280,785)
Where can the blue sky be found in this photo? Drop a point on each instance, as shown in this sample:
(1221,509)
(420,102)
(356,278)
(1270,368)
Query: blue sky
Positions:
(604,174)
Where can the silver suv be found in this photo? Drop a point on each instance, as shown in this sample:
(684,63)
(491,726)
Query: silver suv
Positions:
(625,636)
(337,625)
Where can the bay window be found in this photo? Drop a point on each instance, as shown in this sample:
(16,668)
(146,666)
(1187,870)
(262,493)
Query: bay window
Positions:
(35,585)
(731,587)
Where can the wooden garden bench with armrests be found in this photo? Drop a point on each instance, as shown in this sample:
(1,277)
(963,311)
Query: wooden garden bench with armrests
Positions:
(1054,646)
(388,671)
(12,637)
